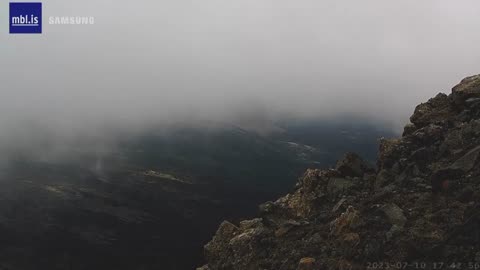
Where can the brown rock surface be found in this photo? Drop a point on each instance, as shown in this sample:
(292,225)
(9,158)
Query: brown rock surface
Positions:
(424,204)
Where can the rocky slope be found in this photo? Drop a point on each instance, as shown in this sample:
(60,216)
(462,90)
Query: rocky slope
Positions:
(419,206)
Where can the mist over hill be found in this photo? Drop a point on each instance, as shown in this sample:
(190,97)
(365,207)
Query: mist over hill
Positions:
(154,198)
(125,142)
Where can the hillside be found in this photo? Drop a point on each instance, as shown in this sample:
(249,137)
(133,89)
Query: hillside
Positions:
(419,206)
(149,201)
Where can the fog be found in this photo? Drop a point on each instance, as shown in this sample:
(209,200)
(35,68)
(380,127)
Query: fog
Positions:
(145,63)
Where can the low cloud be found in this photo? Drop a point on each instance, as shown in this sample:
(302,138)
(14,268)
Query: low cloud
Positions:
(148,62)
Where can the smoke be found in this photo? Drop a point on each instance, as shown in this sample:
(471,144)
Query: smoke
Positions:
(145,63)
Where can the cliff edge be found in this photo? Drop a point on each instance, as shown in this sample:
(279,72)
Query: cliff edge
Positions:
(421,204)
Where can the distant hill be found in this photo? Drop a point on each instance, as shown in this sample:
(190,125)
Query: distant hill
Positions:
(154,199)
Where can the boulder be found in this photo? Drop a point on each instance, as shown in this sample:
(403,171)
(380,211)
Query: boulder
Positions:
(216,247)
(345,222)
(468,161)
(389,152)
(394,214)
(437,109)
(352,165)
(409,129)
(468,86)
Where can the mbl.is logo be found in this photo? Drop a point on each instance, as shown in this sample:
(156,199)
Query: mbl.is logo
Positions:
(25,18)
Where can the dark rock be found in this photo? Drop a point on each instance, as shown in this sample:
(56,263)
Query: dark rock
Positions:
(437,109)
(338,205)
(338,185)
(352,165)
(389,152)
(468,161)
(394,214)
(384,177)
(215,248)
(466,194)
(469,85)
(409,129)
(441,179)
(345,222)
(286,227)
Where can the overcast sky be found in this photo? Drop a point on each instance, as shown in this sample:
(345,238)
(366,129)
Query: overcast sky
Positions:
(147,61)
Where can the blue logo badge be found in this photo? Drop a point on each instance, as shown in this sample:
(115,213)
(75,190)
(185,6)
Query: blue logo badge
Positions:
(25,18)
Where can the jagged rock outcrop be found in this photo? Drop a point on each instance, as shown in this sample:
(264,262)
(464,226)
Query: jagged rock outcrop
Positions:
(420,205)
